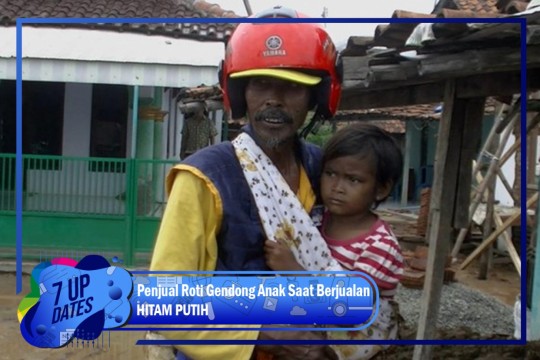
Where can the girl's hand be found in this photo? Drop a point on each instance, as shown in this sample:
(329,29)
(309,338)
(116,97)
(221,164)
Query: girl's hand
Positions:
(279,257)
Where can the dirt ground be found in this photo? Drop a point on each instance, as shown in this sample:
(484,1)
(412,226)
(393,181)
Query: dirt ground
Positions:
(503,283)
(496,352)
(14,347)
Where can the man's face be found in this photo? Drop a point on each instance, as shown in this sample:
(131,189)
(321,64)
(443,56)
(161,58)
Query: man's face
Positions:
(276,108)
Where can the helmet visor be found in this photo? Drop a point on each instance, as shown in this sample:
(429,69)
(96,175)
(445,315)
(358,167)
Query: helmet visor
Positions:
(291,75)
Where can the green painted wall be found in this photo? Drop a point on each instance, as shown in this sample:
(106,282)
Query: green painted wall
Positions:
(145,235)
(64,231)
(61,233)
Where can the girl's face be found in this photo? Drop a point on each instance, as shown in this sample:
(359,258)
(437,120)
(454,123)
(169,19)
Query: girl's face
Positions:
(349,186)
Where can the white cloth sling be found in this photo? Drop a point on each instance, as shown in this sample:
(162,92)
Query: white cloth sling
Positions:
(282,215)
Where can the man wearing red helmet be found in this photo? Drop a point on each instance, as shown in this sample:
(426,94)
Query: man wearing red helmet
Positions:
(273,74)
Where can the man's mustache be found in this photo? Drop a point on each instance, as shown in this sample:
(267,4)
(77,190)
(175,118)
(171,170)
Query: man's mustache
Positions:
(273,113)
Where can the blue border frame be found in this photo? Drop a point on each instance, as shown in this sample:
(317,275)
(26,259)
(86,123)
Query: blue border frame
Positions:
(18,160)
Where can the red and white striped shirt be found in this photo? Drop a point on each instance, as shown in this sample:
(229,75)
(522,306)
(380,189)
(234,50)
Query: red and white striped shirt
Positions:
(376,253)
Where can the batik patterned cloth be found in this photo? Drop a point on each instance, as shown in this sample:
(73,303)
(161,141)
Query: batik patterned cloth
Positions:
(282,215)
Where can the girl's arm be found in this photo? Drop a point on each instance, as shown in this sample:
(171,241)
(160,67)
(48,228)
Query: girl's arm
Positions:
(279,257)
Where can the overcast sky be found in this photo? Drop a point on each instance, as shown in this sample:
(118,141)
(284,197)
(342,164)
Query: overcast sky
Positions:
(337,9)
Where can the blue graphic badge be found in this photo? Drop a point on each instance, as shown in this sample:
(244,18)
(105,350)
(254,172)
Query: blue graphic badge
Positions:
(309,300)
(74,300)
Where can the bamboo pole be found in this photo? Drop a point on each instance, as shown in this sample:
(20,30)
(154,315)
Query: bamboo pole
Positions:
(496,233)
(491,136)
(517,144)
(480,191)
(483,185)
(248,7)
(514,256)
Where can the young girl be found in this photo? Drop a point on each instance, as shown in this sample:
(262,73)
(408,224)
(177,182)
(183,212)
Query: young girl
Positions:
(361,164)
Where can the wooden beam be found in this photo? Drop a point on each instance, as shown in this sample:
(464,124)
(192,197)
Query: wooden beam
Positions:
(478,61)
(410,95)
(357,46)
(440,66)
(451,129)
(403,93)
(437,67)
(496,84)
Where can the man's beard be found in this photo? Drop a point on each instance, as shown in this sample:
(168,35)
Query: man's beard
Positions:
(275,114)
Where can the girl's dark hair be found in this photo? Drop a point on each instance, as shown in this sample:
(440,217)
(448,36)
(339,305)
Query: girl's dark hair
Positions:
(370,142)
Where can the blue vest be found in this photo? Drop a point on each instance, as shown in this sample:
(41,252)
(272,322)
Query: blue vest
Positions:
(241,237)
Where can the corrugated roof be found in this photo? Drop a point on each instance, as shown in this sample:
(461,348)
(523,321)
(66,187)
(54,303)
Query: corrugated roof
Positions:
(478,6)
(393,117)
(392,126)
(10,10)
(416,112)
(82,45)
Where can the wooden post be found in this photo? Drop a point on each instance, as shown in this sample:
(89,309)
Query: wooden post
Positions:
(487,257)
(473,112)
(406,165)
(447,156)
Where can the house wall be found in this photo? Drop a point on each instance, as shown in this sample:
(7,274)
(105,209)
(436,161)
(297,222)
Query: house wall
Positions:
(76,143)
(417,152)
(415,144)
(432,132)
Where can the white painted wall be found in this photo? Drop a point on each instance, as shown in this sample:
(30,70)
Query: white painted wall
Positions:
(77,119)
(501,194)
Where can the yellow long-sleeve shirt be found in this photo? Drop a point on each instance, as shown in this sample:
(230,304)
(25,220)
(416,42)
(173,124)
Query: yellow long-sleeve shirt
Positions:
(187,241)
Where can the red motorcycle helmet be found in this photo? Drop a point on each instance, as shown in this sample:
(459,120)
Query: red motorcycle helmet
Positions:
(299,52)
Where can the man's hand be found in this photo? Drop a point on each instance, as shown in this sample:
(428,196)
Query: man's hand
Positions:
(279,257)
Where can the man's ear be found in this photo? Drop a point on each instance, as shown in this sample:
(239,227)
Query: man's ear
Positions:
(383,191)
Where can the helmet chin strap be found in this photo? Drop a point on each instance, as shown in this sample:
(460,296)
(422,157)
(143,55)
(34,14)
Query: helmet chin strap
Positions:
(313,126)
